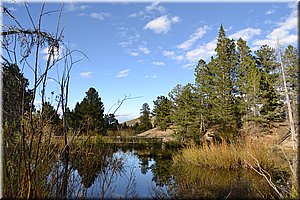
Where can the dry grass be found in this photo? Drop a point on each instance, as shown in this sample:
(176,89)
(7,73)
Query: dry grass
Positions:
(229,156)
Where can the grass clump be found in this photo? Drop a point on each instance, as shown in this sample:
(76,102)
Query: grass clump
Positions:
(229,156)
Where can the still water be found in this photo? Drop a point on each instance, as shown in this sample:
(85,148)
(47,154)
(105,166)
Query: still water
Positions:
(134,180)
(149,173)
(112,173)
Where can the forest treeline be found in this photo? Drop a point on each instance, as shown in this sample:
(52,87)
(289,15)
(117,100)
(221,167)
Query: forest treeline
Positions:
(236,89)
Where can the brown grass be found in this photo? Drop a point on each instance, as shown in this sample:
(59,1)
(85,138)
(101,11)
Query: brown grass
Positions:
(230,156)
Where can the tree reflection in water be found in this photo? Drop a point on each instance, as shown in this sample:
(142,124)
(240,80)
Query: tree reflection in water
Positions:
(91,171)
(106,172)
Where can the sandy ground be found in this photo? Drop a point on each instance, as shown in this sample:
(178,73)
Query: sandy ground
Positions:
(275,135)
(155,133)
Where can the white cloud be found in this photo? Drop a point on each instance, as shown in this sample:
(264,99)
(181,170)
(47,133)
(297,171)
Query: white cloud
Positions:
(175,19)
(145,50)
(172,55)
(155,6)
(245,34)
(180,57)
(71,7)
(83,7)
(100,16)
(202,52)
(124,44)
(161,24)
(81,14)
(58,53)
(286,32)
(140,60)
(87,74)
(149,10)
(269,12)
(129,40)
(168,53)
(133,53)
(158,63)
(268,22)
(123,73)
(189,66)
(200,32)
(140,13)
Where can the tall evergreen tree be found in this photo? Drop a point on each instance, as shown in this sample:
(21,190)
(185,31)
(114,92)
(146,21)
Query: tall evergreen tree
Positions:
(162,112)
(89,113)
(204,86)
(145,121)
(266,61)
(184,111)
(248,82)
(222,100)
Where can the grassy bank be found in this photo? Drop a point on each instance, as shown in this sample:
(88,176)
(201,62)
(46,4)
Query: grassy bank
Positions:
(230,156)
(270,162)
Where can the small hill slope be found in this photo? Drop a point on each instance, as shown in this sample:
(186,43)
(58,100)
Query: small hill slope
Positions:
(156,133)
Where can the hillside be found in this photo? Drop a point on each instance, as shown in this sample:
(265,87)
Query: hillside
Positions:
(132,122)
(136,120)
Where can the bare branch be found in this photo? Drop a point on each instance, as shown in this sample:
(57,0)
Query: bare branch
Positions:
(120,102)
(6,11)
(263,173)
(28,32)
(26,6)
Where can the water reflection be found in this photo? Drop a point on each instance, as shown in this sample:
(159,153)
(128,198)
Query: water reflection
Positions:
(104,172)
(191,182)
(98,172)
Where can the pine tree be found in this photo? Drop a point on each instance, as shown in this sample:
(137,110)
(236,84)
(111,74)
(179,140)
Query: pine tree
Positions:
(162,112)
(268,66)
(145,121)
(203,88)
(89,113)
(248,80)
(184,111)
(222,99)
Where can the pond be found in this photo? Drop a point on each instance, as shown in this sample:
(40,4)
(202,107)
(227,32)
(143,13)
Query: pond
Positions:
(116,173)
(135,178)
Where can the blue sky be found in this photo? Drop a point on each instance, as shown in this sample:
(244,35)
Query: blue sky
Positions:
(145,49)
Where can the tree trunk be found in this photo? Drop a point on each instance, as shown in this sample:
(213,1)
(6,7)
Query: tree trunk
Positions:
(290,113)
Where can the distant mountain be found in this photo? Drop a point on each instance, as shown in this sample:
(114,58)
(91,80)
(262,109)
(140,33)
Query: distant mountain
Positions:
(132,122)
(136,120)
